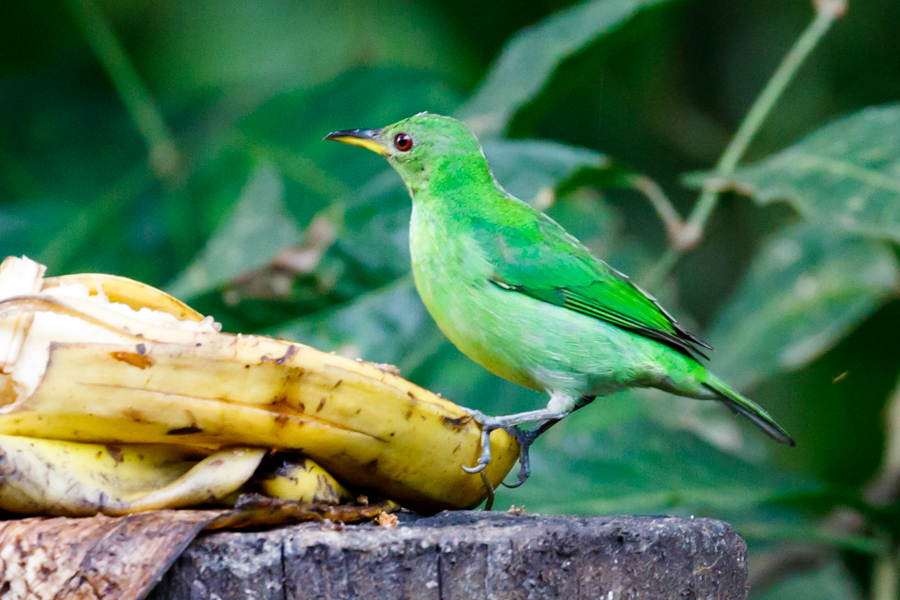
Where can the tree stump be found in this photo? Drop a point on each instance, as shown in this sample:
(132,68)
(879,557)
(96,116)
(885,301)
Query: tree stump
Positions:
(468,555)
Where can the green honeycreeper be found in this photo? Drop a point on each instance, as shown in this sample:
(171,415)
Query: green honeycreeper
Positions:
(519,295)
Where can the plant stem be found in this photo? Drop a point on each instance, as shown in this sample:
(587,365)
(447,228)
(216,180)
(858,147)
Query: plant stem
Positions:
(758,113)
(672,221)
(827,11)
(137,100)
(885,578)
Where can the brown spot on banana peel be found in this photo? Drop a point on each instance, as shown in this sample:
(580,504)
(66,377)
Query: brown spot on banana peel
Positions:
(293,374)
(115,452)
(457,424)
(135,359)
(292,350)
(189,430)
(283,404)
(298,418)
(10,390)
(135,415)
(322,404)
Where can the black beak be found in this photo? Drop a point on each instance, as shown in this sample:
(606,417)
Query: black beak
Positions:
(365,138)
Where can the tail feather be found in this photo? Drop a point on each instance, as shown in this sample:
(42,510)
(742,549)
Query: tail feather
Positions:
(749,409)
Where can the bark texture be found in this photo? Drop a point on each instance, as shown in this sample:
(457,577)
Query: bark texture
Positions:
(468,555)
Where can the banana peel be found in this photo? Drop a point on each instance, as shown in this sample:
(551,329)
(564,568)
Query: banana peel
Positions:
(100,359)
(121,290)
(299,479)
(60,478)
(74,479)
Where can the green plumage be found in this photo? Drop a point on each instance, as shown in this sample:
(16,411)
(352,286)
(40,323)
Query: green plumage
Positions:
(519,295)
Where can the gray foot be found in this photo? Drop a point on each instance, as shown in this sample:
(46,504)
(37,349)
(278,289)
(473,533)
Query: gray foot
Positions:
(525,438)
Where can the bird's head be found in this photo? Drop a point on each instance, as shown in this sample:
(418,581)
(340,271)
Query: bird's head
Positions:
(425,149)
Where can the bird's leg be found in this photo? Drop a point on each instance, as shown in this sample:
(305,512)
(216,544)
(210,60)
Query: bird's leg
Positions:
(489,424)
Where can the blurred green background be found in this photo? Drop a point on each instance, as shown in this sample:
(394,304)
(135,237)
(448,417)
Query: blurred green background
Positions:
(179,143)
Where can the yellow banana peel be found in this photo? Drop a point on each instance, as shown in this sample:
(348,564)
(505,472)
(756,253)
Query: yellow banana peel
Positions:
(65,478)
(129,292)
(299,479)
(100,359)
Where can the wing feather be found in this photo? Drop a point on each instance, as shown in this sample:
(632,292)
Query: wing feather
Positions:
(535,256)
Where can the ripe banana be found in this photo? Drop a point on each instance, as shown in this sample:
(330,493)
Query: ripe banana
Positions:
(144,369)
(299,479)
(66,478)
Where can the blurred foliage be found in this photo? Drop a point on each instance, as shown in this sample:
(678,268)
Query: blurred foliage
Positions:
(180,144)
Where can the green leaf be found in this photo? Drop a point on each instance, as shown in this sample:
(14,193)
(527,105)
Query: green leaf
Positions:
(26,228)
(528,167)
(531,57)
(275,46)
(257,230)
(845,175)
(824,535)
(289,128)
(829,582)
(639,467)
(805,290)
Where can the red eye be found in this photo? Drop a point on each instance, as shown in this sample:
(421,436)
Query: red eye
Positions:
(403,142)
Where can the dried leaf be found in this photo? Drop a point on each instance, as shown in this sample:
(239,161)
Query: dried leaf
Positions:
(115,558)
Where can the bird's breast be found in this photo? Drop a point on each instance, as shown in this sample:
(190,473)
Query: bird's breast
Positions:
(452,276)
(448,266)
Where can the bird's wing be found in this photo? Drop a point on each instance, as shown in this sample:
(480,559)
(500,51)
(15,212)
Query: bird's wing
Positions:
(535,256)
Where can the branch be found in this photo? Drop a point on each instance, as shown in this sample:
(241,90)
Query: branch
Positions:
(827,12)
(137,100)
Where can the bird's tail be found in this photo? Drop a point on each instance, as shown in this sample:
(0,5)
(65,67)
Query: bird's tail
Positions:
(749,409)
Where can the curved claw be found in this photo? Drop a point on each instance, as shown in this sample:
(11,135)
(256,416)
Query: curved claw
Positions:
(512,486)
(524,469)
(485,459)
(525,439)
(476,469)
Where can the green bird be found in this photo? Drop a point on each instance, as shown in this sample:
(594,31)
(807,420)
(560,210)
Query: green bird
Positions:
(522,297)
